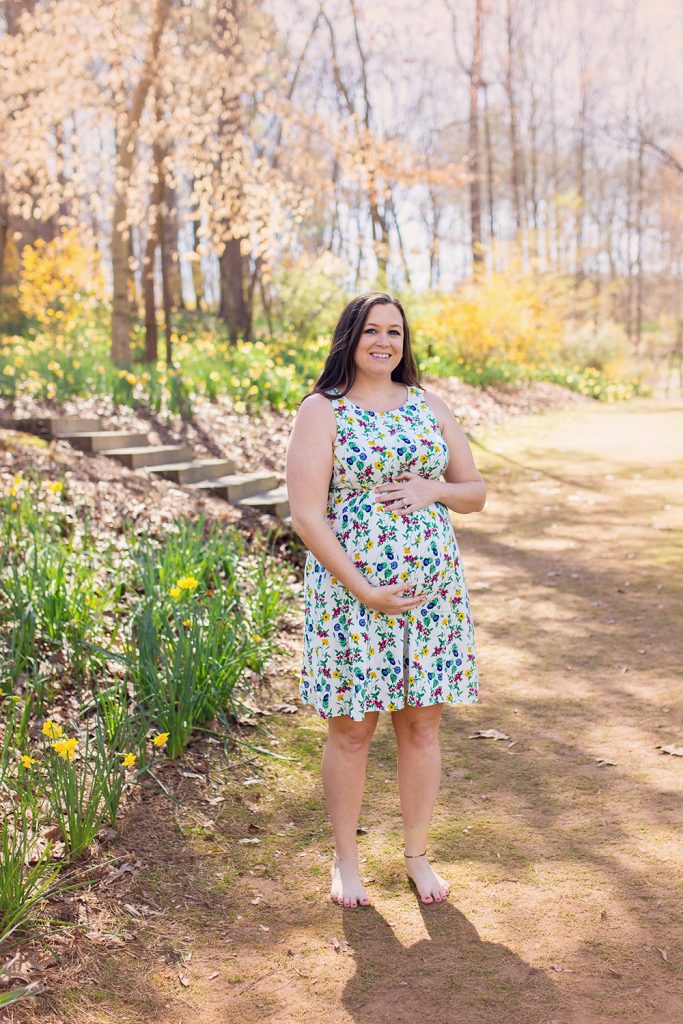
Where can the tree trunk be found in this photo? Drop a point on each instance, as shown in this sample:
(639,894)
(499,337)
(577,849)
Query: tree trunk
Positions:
(232,278)
(581,166)
(515,157)
(125,154)
(197,273)
(490,196)
(170,224)
(640,230)
(233,308)
(473,163)
(151,333)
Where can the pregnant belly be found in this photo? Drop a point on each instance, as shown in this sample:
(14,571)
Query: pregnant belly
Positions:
(416,548)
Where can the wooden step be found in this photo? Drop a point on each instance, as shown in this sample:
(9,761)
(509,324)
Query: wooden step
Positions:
(51,426)
(194,470)
(101,440)
(274,501)
(152,454)
(238,485)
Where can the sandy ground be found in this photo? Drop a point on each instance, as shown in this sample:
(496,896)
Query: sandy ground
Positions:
(566,872)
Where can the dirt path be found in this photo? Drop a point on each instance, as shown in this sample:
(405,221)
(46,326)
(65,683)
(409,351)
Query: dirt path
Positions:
(567,880)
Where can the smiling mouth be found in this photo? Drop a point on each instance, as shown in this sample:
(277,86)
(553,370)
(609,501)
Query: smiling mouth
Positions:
(380,355)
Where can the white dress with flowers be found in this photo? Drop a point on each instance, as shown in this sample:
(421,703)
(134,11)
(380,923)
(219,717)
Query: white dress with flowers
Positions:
(356,659)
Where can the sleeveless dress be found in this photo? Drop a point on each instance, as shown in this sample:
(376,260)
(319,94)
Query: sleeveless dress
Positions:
(356,659)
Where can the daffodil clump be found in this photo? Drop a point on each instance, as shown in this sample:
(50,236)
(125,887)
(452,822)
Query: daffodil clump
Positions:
(155,637)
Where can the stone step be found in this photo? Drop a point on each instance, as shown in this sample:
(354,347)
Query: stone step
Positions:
(152,454)
(194,470)
(51,426)
(101,440)
(238,485)
(274,501)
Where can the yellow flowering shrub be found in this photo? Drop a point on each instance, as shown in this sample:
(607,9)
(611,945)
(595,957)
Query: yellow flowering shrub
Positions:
(59,281)
(513,317)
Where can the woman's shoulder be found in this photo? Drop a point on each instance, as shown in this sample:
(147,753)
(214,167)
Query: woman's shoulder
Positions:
(316,408)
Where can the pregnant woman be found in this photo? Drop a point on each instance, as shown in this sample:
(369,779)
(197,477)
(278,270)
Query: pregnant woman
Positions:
(374,462)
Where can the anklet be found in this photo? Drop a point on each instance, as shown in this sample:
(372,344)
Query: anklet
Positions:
(414,854)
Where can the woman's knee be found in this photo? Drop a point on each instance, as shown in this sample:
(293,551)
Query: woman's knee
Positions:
(350,736)
(418,726)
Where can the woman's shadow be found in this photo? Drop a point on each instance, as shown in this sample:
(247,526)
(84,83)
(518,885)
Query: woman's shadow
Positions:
(452,977)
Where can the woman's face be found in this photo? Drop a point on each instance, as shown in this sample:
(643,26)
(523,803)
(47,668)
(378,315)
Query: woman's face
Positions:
(380,345)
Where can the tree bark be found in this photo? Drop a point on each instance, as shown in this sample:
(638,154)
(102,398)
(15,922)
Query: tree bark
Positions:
(490,193)
(232,278)
(125,155)
(515,156)
(473,158)
(197,273)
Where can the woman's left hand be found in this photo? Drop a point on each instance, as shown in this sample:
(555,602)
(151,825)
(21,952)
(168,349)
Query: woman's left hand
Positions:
(412,493)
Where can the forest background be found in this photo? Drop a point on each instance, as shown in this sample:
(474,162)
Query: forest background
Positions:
(191,189)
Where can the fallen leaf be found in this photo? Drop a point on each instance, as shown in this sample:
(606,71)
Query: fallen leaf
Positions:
(245,841)
(213,975)
(603,761)
(184,980)
(489,734)
(665,955)
(670,749)
(335,945)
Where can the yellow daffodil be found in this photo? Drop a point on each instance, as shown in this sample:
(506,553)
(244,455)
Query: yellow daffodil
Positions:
(66,748)
(129,760)
(52,730)
(187,622)
(26,760)
(187,583)
(175,593)
(258,639)
(55,486)
(159,740)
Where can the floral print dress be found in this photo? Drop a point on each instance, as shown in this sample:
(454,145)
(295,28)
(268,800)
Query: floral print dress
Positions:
(356,659)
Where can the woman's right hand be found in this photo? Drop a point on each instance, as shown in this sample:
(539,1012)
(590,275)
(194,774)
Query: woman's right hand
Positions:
(391,598)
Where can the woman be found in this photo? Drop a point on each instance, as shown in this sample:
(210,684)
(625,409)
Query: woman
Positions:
(387,616)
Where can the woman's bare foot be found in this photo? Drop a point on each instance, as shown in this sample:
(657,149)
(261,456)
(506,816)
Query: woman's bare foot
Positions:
(347,889)
(431,887)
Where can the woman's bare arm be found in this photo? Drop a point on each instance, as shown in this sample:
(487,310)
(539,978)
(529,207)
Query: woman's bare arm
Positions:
(308,473)
(463,488)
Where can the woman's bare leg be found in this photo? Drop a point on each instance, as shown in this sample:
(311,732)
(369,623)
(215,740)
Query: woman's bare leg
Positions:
(343,769)
(419,776)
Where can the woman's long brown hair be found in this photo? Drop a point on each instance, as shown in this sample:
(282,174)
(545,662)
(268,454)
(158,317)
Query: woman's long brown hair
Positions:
(339,370)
